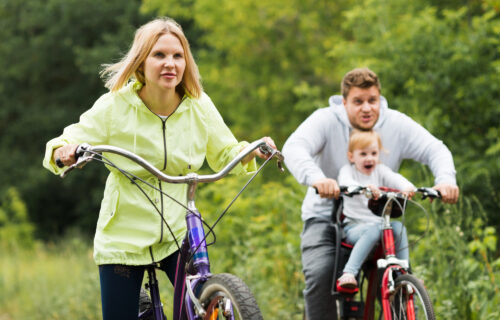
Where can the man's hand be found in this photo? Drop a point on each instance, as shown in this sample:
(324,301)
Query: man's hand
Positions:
(449,192)
(327,188)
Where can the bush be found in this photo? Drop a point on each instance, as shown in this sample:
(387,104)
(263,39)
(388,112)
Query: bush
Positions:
(15,228)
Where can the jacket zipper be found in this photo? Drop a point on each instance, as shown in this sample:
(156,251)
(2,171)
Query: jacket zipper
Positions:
(164,121)
(161,206)
(164,129)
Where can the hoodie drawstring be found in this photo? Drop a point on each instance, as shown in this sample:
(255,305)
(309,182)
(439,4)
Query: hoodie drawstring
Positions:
(135,129)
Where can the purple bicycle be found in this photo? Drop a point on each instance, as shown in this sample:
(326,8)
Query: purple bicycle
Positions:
(198,294)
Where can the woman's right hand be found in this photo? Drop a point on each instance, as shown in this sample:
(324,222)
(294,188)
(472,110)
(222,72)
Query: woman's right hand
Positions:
(66,154)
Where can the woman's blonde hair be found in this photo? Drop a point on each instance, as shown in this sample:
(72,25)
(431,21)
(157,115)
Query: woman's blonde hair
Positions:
(131,65)
(363,139)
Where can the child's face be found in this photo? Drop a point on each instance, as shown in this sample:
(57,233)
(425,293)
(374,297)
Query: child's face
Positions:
(365,159)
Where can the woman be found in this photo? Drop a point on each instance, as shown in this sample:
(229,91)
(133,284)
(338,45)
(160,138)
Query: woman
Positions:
(164,116)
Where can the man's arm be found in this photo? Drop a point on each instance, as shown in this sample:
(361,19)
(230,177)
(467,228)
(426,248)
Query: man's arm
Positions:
(300,148)
(423,147)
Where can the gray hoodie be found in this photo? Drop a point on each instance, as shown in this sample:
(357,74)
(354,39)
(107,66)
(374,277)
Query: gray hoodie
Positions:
(318,149)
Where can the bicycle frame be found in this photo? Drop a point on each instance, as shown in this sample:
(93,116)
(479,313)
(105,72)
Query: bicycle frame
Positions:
(389,263)
(386,261)
(186,305)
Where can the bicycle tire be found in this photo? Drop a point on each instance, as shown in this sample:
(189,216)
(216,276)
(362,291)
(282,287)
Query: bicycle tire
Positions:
(422,305)
(146,307)
(226,287)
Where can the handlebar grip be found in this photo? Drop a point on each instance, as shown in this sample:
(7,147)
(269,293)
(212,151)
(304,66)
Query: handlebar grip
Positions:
(59,163)
(80,150)
(342,189)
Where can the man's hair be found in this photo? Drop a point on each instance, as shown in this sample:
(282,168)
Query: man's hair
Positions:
(361,77)
(363,139)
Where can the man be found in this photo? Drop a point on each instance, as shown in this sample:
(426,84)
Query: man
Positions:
(317,150)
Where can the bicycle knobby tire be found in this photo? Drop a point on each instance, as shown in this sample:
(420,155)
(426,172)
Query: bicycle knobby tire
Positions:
(225,286)
(407,286)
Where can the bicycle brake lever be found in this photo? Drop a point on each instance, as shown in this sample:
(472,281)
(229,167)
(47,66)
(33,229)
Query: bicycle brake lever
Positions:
(82,158)
(280,166)
(265,149)
(429,193)
(279,159)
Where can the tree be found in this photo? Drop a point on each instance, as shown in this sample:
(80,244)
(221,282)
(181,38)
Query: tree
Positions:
(50,57)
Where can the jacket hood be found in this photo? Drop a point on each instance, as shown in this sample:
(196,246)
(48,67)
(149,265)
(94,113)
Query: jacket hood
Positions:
(131,93)
(338,109)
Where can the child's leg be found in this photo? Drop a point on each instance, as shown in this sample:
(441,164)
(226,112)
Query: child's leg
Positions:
(401,239)
(364,236)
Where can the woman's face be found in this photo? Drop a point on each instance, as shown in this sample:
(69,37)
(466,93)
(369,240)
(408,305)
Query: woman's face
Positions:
(165,64)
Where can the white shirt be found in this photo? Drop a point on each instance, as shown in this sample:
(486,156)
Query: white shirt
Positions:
(356,208)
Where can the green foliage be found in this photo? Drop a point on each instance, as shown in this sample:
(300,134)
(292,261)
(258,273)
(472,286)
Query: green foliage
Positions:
(16,231)
(457,260)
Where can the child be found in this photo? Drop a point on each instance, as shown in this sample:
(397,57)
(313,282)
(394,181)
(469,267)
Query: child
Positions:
(363,227)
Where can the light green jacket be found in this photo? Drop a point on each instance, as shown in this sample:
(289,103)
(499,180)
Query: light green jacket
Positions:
(129,229)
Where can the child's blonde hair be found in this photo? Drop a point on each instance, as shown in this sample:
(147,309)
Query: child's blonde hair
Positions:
(363,139)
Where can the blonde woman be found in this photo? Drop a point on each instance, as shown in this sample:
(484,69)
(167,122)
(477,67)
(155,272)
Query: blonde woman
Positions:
(156,108)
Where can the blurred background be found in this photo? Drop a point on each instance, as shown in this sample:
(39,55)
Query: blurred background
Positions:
(266,65)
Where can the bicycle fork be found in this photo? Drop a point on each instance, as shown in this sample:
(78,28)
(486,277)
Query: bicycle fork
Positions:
(390,265)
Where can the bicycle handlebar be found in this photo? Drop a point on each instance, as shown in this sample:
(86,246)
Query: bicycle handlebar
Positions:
(86,153)
(355,190)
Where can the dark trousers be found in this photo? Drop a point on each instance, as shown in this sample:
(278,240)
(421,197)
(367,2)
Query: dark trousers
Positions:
(121,284)
(318,249)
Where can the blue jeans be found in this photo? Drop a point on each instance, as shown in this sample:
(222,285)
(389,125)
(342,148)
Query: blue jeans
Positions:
(365,236)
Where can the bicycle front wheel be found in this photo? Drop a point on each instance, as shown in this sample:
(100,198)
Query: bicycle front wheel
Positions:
(410,300)
(225,294)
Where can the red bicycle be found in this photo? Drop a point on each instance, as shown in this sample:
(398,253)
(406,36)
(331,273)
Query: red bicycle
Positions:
(400,294)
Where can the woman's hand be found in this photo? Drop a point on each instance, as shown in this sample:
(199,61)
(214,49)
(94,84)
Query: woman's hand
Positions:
(258,153)
(66,154)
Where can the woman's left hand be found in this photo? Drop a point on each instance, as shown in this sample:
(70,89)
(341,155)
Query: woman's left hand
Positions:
(259,153)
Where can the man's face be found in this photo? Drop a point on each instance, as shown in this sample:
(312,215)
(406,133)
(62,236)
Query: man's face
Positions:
(363,107)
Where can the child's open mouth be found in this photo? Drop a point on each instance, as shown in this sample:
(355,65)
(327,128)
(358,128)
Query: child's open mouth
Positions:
(368,166)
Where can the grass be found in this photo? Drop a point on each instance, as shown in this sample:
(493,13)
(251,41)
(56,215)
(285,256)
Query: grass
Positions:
(54,281)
